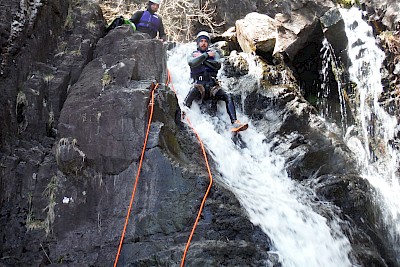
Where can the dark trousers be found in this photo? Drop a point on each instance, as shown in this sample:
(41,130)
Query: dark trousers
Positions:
(195,94)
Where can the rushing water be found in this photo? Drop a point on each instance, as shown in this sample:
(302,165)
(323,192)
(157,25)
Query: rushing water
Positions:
(375,129)
(279,205)
(329,63)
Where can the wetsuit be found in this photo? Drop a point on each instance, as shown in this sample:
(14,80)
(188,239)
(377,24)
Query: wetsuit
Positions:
(203,71)
(149,22)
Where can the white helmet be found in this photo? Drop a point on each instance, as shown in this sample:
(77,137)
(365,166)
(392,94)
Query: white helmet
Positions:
(156,1)
(202,34)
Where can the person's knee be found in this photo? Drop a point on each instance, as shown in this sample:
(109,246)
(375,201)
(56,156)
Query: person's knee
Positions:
(225,96)
(192,95)
(229,98)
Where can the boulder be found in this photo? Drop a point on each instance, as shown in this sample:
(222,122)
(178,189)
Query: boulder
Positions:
(264,35)
(298,21)
(104,109)
(334,31)
(257,33)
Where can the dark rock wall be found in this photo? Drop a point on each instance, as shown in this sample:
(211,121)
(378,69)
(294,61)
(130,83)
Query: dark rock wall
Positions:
(74,107)
(29,41)
(41,58)
(98,114)
(66,181)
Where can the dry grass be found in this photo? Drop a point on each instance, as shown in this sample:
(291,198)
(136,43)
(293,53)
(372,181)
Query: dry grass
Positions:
(180,17)
(112,9)
(391,43)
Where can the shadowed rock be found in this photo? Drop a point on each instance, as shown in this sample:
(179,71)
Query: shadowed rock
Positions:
(73,116)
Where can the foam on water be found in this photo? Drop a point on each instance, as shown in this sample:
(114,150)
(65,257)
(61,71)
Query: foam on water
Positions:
(258,178)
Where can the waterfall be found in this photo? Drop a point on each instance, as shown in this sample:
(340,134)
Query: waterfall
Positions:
(329,63)
(281,207)
(371,138)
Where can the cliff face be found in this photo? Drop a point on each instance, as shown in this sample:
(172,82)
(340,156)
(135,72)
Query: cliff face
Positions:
(74,110)
(74,120)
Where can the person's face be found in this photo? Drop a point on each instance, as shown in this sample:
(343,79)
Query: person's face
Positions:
(203,44)
(154,7)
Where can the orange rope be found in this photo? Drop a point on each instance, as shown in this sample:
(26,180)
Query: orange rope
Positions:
(151,104)
(204,198)
(169,80)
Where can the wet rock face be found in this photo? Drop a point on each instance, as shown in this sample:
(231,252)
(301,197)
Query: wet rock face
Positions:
(8,8)
(93,208)
(352,194)
(384,13)
(66,184)
(319,158)
(79,107)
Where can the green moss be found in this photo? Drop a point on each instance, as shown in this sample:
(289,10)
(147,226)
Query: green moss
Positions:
(348,3)
(106,79)
(312,99)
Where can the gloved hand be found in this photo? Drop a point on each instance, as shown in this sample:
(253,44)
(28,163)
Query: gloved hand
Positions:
(184,110)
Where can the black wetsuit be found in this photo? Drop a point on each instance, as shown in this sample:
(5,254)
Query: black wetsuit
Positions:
(203,71)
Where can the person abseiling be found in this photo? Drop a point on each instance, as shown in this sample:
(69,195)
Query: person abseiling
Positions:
(204,64)
(148,21)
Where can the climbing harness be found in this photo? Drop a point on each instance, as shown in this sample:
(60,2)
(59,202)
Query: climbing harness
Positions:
(153,87)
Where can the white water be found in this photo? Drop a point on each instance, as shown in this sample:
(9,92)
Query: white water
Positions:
(375,126)
(329,62)
(280,206)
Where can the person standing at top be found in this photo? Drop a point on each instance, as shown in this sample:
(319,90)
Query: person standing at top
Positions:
(204,64)
(148,21)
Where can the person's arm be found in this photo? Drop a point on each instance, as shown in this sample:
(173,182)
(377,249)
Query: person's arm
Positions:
(136,17)
(215,63)
(161,31)
(197,58)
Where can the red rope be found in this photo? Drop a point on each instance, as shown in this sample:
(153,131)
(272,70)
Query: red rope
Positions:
(151,104)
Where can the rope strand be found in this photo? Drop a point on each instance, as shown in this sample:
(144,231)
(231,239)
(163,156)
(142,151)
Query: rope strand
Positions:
(151,104)
(204,198)
(169,80)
